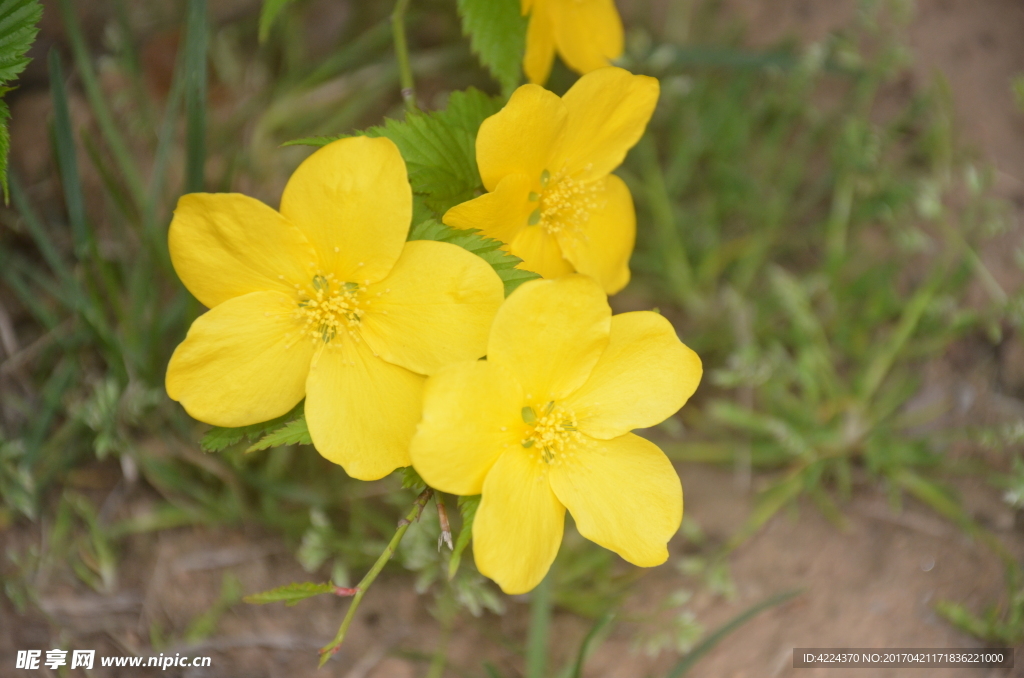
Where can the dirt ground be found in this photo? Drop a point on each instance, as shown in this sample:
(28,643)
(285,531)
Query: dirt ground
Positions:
(873,585)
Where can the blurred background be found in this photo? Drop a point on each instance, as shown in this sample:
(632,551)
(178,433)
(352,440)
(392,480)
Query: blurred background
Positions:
(829,210)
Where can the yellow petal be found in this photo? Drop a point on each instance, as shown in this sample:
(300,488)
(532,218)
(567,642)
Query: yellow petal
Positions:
(499,214)
(623,494)
(518,527)
(602,247)
(352,200)
(608,110)
(550,334)
(362,410)
(540,252)
(588,33)
(644,376)
(540,46)
(242,362)
(224,245)
(520,138)
(434,307)
(472,412)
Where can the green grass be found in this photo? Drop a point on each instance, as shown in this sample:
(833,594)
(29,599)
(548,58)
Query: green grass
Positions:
(815,255)
(813,251)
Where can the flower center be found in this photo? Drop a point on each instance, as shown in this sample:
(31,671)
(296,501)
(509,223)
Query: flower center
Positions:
(552,435)
(564,203)
(330,307)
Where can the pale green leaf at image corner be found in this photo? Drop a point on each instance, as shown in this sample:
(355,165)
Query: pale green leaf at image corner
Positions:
(289,594)
(18,28)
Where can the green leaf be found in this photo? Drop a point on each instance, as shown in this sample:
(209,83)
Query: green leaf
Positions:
(439,148)
(269,13)
(19,21)
(503,263)
(411,480)
(467,507)
(497,35)
(293,433)
(220,438)
(289,594)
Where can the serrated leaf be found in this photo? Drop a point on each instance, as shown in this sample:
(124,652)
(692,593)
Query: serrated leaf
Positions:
(467,507)
(439,148)
(293,433)
(289,594)
(497,35)
(19,21)
(268,14)
(19,24)
(220,438)
(411,480)
(503,263)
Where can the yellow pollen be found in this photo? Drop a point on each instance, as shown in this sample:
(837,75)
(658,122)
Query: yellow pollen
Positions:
(330,306)
(552,436)
(565,202)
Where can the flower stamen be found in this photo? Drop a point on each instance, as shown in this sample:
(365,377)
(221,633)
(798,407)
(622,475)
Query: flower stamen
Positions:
(331,306)
(553,436)
(565,202)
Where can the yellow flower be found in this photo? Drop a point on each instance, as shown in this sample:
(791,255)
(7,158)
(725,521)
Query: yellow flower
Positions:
(325,301)
(586,33)
(543,425)
(546,162)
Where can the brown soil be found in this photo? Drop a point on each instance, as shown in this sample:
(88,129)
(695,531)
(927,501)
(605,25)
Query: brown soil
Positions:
(873,584)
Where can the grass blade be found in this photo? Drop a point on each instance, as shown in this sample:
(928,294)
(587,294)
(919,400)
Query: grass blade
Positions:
(64,142)
(694,655)
(195,96)
(540,622)
(587,646)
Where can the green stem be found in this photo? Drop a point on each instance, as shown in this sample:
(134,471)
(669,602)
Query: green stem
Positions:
(332,648)
(402,55)
(195,96)
(537,638)
(447,610)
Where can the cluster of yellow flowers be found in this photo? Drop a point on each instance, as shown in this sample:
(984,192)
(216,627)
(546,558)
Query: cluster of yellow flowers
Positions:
(326,301)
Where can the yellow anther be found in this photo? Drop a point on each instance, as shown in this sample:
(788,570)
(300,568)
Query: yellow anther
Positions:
(328,307)
(554,435)
(566,202)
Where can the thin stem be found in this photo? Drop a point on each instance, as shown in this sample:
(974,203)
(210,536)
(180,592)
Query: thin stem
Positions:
(540,621)
(332,648)
(195,96)
(442,517)
(447,610)
(673,250)
(402,55)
